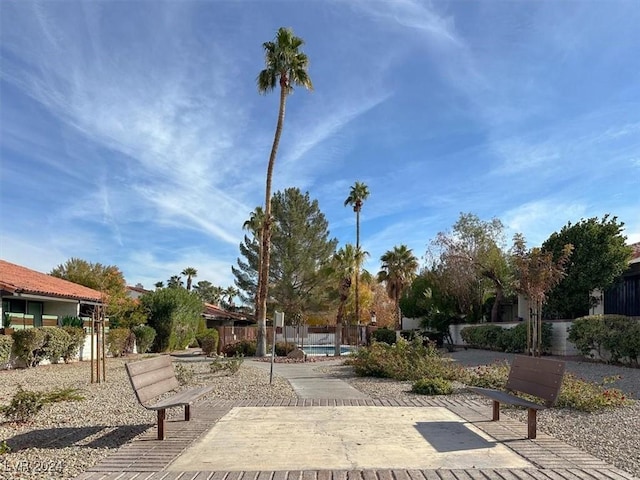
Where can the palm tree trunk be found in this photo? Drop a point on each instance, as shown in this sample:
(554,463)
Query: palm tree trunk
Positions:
(263,273)
(338,335)
(357,266)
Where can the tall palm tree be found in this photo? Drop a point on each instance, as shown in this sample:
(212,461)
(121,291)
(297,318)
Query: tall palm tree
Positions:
(286,66)
(357,195)
(255,222)
(399,267)
(344,265)
(229,293)
(190,272)
(175,282)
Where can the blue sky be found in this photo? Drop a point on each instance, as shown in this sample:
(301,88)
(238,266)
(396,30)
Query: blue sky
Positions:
(132,133)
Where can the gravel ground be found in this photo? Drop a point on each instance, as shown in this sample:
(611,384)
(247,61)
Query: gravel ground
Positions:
(611,435)
(67,438)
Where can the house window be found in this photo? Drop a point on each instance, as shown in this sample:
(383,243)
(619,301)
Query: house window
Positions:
(16,305)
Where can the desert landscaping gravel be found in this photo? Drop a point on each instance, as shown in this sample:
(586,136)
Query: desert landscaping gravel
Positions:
(67,438)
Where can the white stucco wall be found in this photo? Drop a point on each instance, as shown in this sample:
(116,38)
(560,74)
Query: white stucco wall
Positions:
(560,345)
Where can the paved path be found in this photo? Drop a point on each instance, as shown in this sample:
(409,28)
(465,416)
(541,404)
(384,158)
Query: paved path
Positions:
(310,383)
(465,434)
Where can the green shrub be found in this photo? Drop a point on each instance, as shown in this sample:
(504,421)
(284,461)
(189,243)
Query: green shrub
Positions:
(283,349)
(614,335)
(76,340)
(6,344)
(25,404)
(4,447)
(117,340)
(575,393)
(28,345)
(208,341)
(495,337)
(70,321)
(245,348)
(176,316)
(482,336)
(145,335)
(588,396)
(384,335)
(56,343)
(402,361)
(432,386)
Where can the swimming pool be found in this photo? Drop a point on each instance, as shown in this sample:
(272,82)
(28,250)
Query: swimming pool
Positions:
(327,350)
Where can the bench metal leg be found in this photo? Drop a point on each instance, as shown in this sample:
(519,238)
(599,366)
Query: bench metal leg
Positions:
(531,423)
(161,422)
(496,410)
(187,412)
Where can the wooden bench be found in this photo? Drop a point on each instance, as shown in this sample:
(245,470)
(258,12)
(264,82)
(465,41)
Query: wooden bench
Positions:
(539,377)
(154,377)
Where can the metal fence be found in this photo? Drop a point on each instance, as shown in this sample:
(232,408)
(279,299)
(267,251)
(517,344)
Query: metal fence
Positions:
(353,335)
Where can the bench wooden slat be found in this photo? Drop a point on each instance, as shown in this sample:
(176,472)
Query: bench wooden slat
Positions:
(156,389)
(538,377)
(148,364)
(154,377)
(186,397)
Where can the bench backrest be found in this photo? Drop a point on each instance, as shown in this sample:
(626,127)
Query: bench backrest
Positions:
(540,377)
(152,377)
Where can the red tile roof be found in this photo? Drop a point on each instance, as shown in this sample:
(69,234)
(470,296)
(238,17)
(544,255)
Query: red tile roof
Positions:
(635,254)
(17,279)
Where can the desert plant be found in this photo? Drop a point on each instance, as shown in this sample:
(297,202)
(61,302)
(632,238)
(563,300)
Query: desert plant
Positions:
(402,361)
(589,396)
(145,335)
(488,376)
(432,386)
(26,404)
(28,345)
(208,341)
(6,344)
(283,349)
(4,447)
(232,364)
(185,374)
(71,321)
(117,340)
(76,340)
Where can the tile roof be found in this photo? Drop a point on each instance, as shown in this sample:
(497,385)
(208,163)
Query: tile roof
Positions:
(635,254)
(17,279)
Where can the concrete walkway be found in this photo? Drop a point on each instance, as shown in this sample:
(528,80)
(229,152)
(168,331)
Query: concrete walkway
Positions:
(334,432)
(309,382)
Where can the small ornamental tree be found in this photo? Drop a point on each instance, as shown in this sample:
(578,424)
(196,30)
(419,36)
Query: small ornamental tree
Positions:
(536,274)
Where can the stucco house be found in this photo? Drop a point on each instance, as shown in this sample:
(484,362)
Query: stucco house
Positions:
(34,299)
